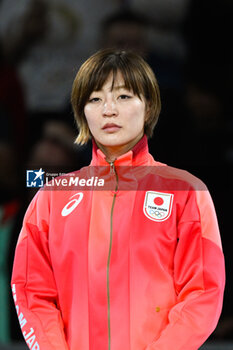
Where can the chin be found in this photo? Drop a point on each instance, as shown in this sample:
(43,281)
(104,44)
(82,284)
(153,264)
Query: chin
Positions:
(112,141)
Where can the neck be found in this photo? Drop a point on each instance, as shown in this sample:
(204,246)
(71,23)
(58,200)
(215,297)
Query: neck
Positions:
(112,153)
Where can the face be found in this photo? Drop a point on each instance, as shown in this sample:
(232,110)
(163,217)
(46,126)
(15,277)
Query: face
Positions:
(115,117)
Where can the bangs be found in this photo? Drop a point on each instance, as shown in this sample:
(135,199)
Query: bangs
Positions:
(113,65)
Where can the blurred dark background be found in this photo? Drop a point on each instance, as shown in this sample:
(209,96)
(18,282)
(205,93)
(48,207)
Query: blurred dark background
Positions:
(42,44)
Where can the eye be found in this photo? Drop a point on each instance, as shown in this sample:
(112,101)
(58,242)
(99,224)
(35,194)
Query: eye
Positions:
(94,99)
(124,97)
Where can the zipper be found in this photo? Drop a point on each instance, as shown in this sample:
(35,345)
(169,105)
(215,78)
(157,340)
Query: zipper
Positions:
(113,170)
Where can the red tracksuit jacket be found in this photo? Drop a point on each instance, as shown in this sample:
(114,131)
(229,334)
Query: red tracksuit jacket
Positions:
(140,268)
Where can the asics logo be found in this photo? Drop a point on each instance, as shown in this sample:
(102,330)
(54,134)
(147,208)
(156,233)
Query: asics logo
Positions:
(70,206)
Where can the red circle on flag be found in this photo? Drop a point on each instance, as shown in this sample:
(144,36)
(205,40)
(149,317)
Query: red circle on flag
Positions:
(158,201)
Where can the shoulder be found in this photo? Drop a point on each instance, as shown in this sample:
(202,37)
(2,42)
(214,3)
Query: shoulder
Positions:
(180,177)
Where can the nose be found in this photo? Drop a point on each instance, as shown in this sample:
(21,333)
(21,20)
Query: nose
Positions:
(109,108)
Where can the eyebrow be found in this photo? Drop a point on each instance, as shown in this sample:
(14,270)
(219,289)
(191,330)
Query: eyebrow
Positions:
(116,87)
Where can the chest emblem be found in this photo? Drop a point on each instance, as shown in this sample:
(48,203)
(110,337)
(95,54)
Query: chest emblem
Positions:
(157,206)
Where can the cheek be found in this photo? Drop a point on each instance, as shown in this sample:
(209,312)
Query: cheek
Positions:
(139,112)
(138,118)
(87,112)
(89,116)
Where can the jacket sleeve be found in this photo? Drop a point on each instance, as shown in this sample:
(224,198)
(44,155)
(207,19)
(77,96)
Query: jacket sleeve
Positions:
(33,285)
(199,277)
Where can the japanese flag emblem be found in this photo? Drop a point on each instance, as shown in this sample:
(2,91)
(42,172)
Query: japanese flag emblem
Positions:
(157,206)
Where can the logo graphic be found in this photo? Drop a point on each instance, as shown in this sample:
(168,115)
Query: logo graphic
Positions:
(70,206)
(35,178)
(157,206)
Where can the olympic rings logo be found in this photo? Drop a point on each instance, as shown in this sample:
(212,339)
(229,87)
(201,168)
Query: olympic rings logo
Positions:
(156,213)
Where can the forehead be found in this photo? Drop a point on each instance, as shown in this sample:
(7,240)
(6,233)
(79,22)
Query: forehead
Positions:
(114,81)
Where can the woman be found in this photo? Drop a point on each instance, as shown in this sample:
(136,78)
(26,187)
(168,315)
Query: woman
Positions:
(132,267)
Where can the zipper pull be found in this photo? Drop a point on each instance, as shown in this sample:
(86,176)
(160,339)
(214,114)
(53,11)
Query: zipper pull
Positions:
(112,168)
(114,173)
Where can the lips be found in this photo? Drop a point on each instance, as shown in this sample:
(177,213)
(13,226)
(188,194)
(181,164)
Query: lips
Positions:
(111,127)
